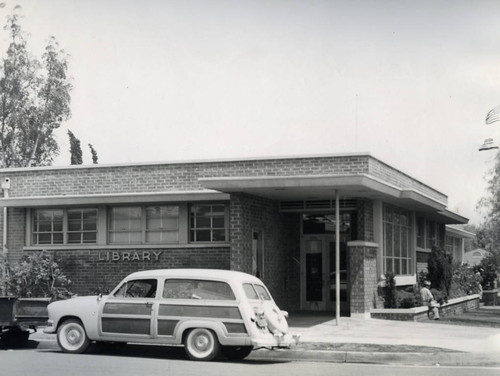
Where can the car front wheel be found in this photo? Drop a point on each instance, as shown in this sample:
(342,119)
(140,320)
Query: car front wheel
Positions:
(201,344)
(71,337)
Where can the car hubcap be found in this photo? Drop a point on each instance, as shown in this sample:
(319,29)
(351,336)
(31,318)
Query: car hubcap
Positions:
(73,336)
(201,343)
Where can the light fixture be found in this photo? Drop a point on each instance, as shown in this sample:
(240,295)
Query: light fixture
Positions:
(488,144)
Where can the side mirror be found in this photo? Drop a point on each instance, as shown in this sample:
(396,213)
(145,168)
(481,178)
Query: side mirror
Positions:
(99,297)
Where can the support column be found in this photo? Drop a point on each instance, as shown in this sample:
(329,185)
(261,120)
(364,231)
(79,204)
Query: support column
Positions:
(362,277)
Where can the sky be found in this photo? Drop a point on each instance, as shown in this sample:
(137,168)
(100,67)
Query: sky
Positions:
(163,80)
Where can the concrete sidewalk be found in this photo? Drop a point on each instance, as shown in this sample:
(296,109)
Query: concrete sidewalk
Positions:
(456,345)
(396,342)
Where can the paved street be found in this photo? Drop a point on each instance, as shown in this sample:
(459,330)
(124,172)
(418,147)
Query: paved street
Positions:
(156,360)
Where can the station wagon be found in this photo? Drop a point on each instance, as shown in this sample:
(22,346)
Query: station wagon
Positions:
(207,311)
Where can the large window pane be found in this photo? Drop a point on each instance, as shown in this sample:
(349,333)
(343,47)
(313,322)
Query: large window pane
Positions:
(125,225)
(162,224)
(397,230)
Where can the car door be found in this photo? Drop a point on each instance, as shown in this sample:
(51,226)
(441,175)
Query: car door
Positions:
(127,313)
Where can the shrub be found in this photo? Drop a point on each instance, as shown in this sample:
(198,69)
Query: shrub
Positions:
(439,296)
(408,299)
(390,291)
(464,282)
(490,265)
(440,269)
(37,275)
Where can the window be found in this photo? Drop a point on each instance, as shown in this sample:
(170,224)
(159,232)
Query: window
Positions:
(197,289)
(428,233)
(64,226)
(256,292)
(208,223)
(82,226)
(162,224)
(125,225)
(453,246)
(137,225)
(397,241)
(140,288)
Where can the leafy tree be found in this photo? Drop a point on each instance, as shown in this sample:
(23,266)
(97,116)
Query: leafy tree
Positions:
(488,234)
(94,154)
(34,100)
(75,149)
(490,265)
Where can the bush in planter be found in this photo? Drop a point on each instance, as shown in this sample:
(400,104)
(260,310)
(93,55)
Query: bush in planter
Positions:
(440,269)
(464,282)
(408,298)
(390,291)
(37,276)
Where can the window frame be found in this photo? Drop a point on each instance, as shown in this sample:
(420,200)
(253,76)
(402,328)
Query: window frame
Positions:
(427,231)
(192,229)
(401,231)
(143,220)
(34,234)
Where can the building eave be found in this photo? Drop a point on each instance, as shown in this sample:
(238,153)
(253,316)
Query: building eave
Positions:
(110,199)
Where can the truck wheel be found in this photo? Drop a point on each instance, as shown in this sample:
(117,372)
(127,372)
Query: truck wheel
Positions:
(236,352)
(72,338)
(201,344)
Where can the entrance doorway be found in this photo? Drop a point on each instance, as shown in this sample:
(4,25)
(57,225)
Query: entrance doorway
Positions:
(318,283)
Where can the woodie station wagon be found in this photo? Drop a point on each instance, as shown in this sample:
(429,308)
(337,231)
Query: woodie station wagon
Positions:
(207,311)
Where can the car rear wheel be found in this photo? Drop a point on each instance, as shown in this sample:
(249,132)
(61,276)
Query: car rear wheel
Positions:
(201,344)
(236,352)
(72,338)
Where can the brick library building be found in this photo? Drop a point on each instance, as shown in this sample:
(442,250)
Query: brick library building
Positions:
(277,218)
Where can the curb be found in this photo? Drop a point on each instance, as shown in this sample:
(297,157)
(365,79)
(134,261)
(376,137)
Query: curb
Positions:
(410,359)
(459,359)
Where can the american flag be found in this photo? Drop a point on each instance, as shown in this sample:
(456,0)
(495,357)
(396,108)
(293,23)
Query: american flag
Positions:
(493,115)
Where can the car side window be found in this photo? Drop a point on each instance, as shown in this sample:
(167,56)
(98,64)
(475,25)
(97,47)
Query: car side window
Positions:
(197,289)
(250,291)
(139,288)
(263,294)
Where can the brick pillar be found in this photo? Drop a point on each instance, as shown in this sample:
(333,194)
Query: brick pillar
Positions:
(363,277)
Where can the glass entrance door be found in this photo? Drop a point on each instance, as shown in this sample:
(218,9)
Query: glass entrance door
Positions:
(318,271)
(318,283)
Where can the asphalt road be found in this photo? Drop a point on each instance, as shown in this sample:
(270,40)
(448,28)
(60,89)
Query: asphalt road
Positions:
(45,359)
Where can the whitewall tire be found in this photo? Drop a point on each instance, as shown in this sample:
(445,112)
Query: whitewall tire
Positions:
(71,337)
(201,344)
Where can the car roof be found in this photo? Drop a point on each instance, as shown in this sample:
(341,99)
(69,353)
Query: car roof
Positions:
(196,273)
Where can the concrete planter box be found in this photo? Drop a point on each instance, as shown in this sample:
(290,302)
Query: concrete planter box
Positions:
(453,307)
(491,297)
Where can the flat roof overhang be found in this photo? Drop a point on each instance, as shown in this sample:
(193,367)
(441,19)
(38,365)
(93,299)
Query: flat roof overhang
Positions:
(117,198)
(321,187)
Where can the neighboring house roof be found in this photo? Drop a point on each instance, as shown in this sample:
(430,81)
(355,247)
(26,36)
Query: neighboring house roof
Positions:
(474,256)
(459,232)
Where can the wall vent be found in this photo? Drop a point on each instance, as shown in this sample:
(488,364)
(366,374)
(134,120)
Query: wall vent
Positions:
(316,205)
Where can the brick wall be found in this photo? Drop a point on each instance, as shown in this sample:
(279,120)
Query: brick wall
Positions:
(364,212)
(281,244)
(100,179)
(362,278)
(93,269)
